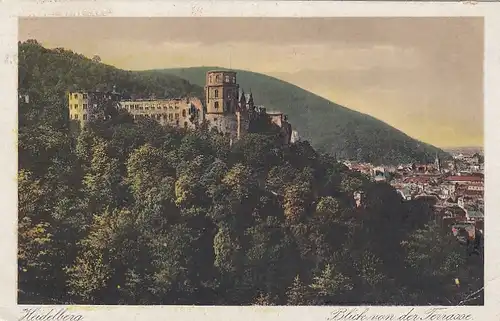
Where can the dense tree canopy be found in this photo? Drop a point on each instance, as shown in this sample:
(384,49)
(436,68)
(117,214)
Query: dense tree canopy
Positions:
(136,213)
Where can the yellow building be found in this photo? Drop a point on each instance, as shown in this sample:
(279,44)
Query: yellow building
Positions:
(83,106)
(78,105)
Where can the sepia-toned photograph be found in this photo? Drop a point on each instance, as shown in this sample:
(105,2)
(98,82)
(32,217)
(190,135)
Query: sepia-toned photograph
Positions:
(251,161)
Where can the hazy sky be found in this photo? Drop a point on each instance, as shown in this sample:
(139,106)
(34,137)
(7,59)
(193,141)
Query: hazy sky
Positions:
(423,76)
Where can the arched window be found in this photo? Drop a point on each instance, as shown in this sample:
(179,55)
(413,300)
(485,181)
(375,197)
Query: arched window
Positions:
(183,113)
(216,93)
(185,124)
(216,105)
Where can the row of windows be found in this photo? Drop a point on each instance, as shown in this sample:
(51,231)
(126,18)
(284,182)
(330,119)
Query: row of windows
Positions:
(75,106)
(226,79)
(160,117)
(148,107)
(176,114)
(216,105)
(216,93)
(76,96)
(77,117)
(169,115)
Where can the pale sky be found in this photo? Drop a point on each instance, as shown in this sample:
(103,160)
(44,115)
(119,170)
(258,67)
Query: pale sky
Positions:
(423,76)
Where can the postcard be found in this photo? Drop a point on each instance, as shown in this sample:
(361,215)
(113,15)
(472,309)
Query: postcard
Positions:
(305,160)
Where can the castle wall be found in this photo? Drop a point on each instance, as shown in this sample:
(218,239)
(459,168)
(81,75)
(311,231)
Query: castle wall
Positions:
(225,110)
(276,118)
(184,113)
(226,124)
(79,107)
(83,106)
(287,132)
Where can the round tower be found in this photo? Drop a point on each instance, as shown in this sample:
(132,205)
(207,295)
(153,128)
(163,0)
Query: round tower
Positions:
(221,92)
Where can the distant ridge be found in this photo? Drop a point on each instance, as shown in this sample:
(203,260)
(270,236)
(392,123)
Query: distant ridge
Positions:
(329,127)
(465,149)
(62,70)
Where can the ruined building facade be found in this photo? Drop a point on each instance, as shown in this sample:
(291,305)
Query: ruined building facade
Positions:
(226,108)
(84,106)
(180,112)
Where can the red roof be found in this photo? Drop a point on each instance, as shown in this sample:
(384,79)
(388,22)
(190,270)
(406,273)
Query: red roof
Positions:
(418,179)
(473,193)
(464,178)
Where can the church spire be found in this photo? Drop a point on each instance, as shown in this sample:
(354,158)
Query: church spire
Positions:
(242,97)
(250,98)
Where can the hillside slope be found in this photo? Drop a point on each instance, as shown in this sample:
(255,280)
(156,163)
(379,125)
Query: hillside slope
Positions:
(328,126)
(47,74)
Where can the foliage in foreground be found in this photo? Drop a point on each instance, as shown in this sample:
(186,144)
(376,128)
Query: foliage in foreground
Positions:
(135,213)
(140,214)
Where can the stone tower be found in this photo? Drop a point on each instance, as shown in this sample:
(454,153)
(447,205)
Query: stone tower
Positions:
(221,92)
(222,104)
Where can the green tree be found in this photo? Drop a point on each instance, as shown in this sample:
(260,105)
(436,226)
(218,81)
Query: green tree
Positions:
(146,167)
(436,259)
(296,200)
(98,271)
(89,277)
(328,205)
(351,183)
(329,284)
(297,293)
(241,182)
(279,177)
(259,151)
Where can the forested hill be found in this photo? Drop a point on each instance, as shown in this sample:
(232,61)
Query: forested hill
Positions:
(136,213)
(328,126)
(47,74)
(131,212)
